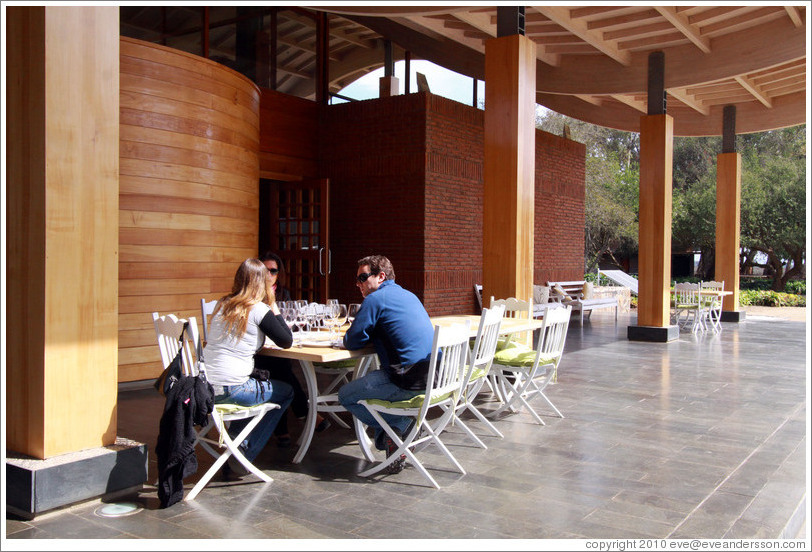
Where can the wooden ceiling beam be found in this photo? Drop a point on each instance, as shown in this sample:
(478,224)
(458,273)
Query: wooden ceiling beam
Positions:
(654,42)
(682,95)
(561,15)
(754,89)
(795,15)
(745,20)
(652,29)
(594,100)
(681,23)
(632,101)
(623,21)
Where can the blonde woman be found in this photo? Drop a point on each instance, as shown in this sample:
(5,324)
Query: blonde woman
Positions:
(239,325)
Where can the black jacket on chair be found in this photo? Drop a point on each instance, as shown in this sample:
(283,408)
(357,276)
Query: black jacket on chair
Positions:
(188,403)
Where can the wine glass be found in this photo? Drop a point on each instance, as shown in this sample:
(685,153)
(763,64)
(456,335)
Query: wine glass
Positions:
(300,320)
(339,317)
(289,315)
(352,310)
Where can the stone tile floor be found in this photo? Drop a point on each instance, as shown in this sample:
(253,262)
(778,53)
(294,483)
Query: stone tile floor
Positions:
(702,437)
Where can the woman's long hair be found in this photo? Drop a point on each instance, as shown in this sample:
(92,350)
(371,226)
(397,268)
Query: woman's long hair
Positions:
(251,285)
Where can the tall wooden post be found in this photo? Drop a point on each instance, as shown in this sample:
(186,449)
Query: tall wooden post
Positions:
(656,171)
(63,229)
(728,216)
(62,260)
(509,167)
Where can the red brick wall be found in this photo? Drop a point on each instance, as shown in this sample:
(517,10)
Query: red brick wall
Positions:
(406,182)
(454,192)
(559,218)
(373,152)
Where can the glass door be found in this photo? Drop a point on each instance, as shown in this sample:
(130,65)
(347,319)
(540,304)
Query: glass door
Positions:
(294,222)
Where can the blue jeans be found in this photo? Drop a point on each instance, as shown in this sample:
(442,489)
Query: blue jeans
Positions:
(252,393)
(375,385)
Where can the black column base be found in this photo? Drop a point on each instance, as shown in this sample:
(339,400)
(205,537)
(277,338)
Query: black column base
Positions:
(36,486)
(653,333)
(733,316)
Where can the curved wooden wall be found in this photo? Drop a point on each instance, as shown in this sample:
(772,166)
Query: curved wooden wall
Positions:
(188,197)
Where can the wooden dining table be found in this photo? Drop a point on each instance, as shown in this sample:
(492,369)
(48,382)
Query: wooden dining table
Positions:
(312,358)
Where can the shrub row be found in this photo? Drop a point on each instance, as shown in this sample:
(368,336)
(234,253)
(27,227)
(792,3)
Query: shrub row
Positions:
(769,298)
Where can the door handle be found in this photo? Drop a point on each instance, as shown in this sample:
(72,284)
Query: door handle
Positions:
(321,268)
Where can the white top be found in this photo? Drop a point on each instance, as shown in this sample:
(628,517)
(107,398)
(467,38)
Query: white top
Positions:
(230,361)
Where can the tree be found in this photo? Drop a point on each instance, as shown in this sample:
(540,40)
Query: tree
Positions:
(693,220)
(774,202)
(612,186)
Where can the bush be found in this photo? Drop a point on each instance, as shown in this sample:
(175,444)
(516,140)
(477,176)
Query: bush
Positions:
(798,287)
(769,298)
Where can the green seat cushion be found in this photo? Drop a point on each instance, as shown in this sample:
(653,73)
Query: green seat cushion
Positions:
(521,356)
(414,402)
(228,408)
(336,364)
(477,374)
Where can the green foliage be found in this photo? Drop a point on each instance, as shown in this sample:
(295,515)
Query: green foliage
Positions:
(798,287)
(612,186)
(773,209)
(769,298)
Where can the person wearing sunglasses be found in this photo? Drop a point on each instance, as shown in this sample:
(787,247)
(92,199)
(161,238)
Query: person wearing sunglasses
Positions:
(281,368)
(394,320)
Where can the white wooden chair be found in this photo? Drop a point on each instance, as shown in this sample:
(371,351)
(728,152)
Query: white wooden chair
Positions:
(524,373)
(477,370)
(167,330)
(443,384)
(688,307)
(516,308)
(206,310)
(713,303)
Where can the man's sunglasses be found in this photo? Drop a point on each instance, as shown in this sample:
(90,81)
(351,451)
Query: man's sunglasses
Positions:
(364,276)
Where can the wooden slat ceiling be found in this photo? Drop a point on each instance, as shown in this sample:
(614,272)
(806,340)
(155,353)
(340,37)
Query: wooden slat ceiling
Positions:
(592,60)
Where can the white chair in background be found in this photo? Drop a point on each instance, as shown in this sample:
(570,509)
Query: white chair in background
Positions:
(524,372)
(516,308)
(713,303)
(167,330)
(688,307)
(449,354)
(206,310)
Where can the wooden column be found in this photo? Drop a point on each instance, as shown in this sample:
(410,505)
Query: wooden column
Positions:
(509,167)
(656,163)
(728,228)
(62,263)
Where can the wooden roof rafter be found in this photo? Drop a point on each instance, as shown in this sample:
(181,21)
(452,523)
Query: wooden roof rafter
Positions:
(562,16)
(681,23)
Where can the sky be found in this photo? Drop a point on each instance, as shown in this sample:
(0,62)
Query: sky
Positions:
(442,82)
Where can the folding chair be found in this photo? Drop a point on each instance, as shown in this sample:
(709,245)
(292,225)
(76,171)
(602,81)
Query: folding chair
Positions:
(524,373)
(514,308)
(167,330)
(477,370)
(713,302)
(206,310)
(443,385)
(689,307)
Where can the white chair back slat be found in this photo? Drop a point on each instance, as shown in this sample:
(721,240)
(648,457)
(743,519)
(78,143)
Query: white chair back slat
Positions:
(206,310)
(167,330)
(517,309)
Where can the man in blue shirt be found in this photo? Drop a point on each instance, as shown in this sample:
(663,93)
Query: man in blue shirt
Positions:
(398,326)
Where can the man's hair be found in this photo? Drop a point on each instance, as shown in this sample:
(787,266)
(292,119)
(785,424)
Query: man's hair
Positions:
(378,264)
